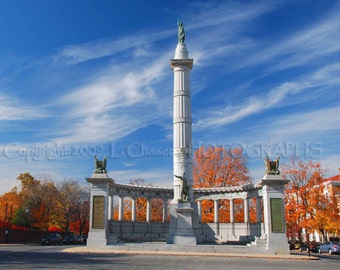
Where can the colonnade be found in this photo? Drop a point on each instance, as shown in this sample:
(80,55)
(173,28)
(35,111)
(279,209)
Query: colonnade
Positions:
(133,209)
(199,205)
(232,212)
(268,195)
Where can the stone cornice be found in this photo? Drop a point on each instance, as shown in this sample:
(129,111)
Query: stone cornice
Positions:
(182,93)
(183,120)
(139,191)
(246,191)
(100,178)
(181,63)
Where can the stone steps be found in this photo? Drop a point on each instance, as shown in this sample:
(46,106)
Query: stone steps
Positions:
(152,246)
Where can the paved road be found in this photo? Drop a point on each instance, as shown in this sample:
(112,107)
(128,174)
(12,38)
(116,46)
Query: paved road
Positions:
(53,257)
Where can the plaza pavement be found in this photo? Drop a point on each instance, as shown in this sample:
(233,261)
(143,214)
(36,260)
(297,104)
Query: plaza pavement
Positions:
(186,250)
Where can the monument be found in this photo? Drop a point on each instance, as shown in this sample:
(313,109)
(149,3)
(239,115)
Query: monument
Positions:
(273,208)
(99,210)
(183,227)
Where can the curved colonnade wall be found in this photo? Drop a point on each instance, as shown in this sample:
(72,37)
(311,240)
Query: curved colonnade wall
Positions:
(217,231)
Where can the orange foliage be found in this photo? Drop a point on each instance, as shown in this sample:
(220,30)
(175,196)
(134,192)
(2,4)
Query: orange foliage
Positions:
(252,210)
(307,205)
(10,202)
(157,210)
(207,211)
(36,205)
(141,209)
(219,167)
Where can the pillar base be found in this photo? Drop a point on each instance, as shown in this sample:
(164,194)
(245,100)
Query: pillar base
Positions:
(183,217)
(96,239)
(185,240)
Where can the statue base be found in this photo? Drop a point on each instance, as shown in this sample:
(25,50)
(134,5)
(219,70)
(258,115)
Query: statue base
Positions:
(274,213)
(183,219)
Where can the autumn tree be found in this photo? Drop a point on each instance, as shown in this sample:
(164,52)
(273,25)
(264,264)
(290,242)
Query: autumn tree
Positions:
(40,198)
(219,167)
(307,206)
(10,202)
(82,216)
(39,204)
(70,204)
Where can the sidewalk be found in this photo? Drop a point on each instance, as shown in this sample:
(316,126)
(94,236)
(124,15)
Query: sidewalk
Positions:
(183,250)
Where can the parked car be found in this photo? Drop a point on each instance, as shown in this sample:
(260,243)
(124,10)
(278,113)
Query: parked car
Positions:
(85,238)
(70,239)
(308,247)
(73,239)
(293,244)
(52,239)
(330,247)
(81,239)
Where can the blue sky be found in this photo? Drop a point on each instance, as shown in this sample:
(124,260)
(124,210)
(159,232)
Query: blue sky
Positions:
(80,78)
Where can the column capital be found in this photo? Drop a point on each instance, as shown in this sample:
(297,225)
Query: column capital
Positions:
(270,179)
(174,63)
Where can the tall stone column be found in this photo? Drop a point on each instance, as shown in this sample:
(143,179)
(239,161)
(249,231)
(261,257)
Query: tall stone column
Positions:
(182,134)
(183,227)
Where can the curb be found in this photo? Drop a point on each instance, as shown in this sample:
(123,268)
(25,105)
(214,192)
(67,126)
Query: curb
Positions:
(108,250)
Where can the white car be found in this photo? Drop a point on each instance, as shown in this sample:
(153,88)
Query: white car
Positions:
(329,247)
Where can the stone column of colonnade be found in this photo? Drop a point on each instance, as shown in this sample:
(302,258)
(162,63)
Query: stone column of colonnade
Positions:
(120,208)
(133,209)
(110,208)
(246,210)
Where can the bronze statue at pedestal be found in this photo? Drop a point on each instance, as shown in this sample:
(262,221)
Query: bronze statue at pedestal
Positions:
(184,190)
(100,165)
(272,166)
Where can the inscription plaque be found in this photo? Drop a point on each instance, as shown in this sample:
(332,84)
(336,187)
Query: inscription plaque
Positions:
(276,211)
(98,212)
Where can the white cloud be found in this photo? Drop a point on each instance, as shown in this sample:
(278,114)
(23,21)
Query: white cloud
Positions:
(302,47)
(112,106)
(75,54)
(16,109)
(308,124)
(279,96)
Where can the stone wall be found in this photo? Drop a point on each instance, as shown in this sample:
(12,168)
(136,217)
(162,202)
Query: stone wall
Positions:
(228,232)
(138,231)
(127,231)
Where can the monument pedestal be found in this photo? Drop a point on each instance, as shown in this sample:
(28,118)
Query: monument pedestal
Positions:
(274,213)
(183,229)
(96,239)
(99,193)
